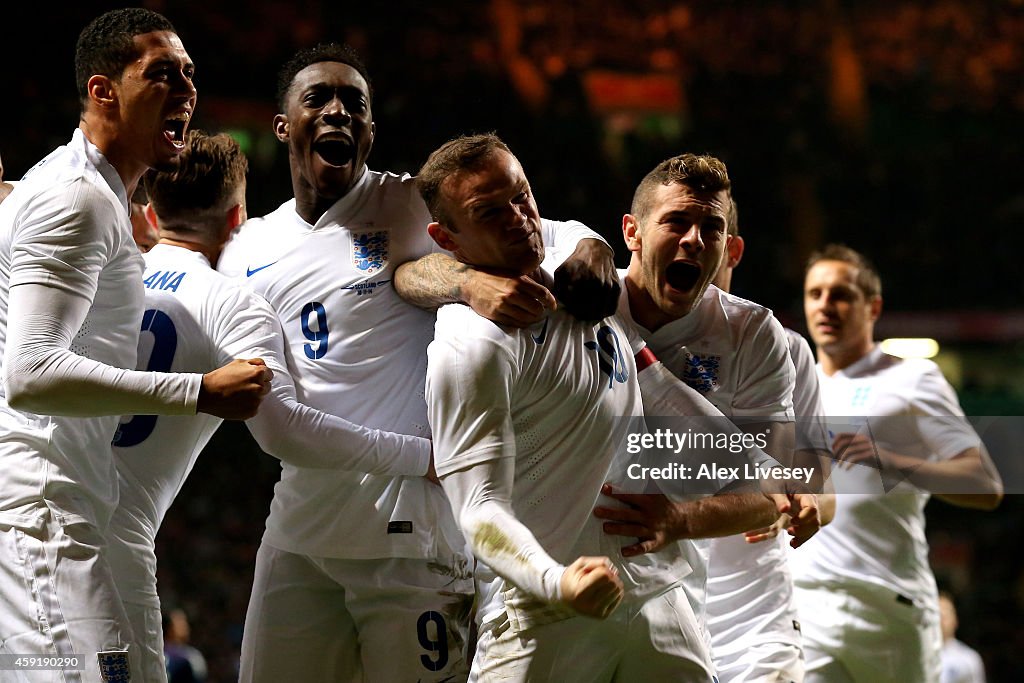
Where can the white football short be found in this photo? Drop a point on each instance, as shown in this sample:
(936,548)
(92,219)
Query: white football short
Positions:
(58,600)
(858,633)
(147,655)
(330,620)
(762,663)
(657,640)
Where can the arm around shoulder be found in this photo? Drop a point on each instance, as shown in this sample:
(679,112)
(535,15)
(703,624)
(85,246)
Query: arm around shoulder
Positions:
(438,279)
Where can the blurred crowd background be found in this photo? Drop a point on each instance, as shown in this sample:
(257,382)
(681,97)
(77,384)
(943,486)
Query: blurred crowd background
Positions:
(894,126)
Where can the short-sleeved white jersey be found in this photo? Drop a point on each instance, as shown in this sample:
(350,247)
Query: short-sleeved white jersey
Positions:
(878,538)
(356,350)
(67,226)
(552,397)
(732,351)
(736,353)
(195,320)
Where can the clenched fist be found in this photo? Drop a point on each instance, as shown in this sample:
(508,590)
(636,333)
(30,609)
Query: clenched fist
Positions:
(592,587)
(234,391)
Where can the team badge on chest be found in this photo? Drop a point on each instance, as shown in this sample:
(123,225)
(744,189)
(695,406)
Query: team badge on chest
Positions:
(370,251)
(702,371)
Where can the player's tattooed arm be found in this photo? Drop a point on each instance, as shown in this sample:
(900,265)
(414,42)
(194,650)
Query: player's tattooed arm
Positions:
(438,279)
(431,281)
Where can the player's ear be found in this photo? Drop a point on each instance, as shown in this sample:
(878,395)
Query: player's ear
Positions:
(281,127)
(101,91)
(734,250)
(631,232)
(876,308)
(150,214)
(440,234)
(236,216)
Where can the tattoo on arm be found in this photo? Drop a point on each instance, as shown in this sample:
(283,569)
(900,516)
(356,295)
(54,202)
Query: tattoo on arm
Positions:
(431,281)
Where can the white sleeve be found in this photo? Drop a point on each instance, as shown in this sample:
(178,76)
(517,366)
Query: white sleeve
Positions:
(481,498)
(42,375)
(938,415)
(665,395)
(561,239)
(471,372)
(63,238)
(304,436)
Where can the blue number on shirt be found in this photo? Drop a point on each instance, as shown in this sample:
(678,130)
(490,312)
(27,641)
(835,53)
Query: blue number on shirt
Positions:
(165,343)
(319,335)
(437,644)
(609,355)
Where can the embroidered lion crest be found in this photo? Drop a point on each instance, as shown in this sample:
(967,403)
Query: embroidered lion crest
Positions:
(370,251)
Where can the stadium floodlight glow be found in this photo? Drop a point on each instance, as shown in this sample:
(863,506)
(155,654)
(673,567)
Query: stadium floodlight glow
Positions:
(911,347)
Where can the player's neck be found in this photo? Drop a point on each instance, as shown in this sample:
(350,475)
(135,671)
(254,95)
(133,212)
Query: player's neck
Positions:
(642,307)
(834,358)
(211,253)
(104,135)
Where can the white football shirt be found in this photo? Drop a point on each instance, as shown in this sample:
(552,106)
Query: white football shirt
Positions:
(197,320)
(553,397)
(878,537)
(736,353)
(67,227)
(961,663)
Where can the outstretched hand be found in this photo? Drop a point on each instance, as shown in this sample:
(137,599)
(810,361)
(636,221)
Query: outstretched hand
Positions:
(649,518)
(858,449)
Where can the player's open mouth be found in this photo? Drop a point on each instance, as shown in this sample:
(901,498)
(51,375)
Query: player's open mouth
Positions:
(682,275)
(174,129)
(336,151)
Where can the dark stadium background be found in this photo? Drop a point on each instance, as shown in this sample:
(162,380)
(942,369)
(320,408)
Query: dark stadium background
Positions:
(894,126)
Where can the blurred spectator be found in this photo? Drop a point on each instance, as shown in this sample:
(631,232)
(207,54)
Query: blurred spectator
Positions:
(960,662)
(185,664)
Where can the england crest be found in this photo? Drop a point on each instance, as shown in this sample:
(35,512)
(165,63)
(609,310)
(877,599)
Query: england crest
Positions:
(370,251)
(702,372)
